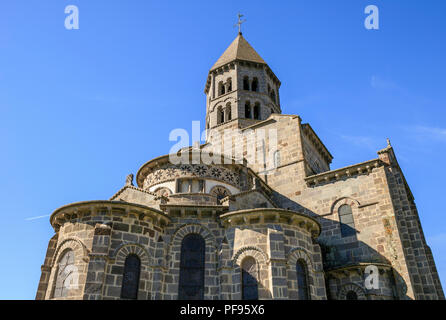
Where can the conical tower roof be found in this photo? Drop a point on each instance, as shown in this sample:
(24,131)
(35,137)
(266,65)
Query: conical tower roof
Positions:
(239,49)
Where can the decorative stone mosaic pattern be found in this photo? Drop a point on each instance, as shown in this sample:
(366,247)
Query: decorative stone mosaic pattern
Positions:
(194,171)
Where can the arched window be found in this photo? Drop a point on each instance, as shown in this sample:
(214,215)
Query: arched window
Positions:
(64,277)
(245,83)
(220,115)
(249,279)
(346,221)
(302,280)
(351,295)
(255,85)
(191,285)
(228,112)
(257,111)
(229,85)
(130,278)
(273,96)
(221,88)
(247,110)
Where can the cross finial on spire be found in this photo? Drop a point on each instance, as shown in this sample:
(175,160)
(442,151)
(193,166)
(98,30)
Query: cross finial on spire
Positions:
(239,22)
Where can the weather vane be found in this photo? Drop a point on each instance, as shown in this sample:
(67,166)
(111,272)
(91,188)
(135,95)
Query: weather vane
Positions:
(239,23)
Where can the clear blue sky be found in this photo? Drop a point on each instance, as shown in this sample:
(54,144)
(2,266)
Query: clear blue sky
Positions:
(80,109)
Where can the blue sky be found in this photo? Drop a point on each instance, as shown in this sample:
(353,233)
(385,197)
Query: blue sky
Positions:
(81,109)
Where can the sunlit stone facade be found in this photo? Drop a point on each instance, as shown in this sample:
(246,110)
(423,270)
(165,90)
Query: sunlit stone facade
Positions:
(241,229)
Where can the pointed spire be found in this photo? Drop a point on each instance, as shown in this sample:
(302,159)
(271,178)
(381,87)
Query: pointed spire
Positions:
(239,49)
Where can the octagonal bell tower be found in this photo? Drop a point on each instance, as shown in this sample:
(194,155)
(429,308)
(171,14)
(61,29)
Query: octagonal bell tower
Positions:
(240,89)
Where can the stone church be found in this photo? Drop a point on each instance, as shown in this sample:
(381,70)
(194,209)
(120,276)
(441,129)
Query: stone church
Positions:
(237,229)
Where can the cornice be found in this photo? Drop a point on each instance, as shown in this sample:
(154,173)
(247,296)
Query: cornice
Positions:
(343,173)
(271,215)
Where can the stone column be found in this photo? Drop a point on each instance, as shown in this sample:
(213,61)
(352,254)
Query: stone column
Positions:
(98,263)
(46,269)
(157,272)
(277,264)
(225,271)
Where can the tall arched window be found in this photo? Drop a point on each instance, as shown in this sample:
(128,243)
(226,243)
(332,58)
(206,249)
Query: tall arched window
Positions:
(229,85)
(220,115)
(191,286)
(130,278)
(228,112)
(257,111)
(346,221)
(221,88)
(255,85)
(273,95)
(302,280)
(249,279)
(63,279)
(245,83)
(247,110)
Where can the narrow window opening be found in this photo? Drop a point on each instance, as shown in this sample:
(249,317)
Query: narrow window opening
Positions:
(245,83)
(247,110)
(249,279)
(191,283)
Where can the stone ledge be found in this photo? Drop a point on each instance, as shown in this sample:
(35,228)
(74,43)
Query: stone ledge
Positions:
(78,209)
(271,215)
(359,267)
(346,172)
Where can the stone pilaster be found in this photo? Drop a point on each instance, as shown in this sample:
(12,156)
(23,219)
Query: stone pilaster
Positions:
(98,262)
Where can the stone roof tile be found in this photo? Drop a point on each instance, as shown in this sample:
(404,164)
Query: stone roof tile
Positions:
(239,49)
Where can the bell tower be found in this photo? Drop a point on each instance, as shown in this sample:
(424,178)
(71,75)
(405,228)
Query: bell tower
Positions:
(240,89)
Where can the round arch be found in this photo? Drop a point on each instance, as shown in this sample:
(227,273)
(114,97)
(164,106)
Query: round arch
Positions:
(345,289)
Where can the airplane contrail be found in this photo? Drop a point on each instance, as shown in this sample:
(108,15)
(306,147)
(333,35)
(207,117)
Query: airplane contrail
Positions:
(38,217)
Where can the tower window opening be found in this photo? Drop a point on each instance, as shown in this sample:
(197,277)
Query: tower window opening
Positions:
(247,110)
(229,85)
(255,85)
(273,96)
(245,83)
(220,115)
(221,88)
(228,112)
(257,111)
